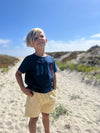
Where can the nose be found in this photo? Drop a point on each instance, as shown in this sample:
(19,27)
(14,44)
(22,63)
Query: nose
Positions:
(40,38)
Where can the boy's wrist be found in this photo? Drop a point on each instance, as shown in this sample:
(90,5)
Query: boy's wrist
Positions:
(23,88)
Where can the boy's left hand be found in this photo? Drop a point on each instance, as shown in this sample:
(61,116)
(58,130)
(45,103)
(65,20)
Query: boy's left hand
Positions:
(28,92)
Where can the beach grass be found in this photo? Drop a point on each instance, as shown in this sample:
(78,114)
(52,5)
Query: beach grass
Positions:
(74,97)
(89,71)
(7,61)
(78,67)
(59,110)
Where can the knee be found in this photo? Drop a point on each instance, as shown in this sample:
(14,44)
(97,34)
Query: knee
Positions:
(33,120)
(45,116)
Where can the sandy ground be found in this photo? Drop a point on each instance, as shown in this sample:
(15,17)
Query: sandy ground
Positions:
(81,100)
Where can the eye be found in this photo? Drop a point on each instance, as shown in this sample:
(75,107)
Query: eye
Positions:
(41,36)
(36,38)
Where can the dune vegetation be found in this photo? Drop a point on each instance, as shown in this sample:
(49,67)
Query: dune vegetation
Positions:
(7,61)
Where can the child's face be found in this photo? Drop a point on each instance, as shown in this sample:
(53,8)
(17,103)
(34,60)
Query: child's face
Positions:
(39,41)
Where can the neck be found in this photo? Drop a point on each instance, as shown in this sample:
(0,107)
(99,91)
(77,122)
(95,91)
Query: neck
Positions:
(40,53)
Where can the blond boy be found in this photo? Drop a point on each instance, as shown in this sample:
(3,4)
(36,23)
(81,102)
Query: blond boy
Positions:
(40,78)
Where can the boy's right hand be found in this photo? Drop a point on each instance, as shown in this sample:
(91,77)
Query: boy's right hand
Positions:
(28,92)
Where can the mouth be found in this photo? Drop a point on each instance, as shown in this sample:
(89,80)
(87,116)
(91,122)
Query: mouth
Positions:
(41,43)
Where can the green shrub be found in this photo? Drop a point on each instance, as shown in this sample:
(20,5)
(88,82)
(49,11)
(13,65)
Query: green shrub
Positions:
(61,65)
(80,68)
(97,76)
(4,69)
(71,66)
(59,110)
(74,97)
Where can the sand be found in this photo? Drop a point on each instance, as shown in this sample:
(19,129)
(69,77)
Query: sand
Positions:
(81,100)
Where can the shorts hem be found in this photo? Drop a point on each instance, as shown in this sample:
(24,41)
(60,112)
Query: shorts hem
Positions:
(32,116)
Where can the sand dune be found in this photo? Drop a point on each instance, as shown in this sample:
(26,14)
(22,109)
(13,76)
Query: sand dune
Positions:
(81,100)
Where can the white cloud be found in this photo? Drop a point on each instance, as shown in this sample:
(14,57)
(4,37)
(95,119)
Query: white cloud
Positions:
(81,44)
(2,41)
(75,45)
(96,36)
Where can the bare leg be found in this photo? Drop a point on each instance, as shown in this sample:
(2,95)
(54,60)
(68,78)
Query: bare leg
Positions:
(46,123)
(32,125)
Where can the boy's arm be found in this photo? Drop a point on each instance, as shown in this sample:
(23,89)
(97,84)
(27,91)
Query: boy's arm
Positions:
(21,84)
(54,81)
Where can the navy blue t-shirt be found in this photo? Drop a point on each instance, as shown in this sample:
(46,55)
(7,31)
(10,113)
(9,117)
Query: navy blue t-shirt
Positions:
(39,72)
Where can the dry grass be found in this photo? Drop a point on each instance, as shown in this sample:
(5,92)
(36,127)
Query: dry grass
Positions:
(6,61)
(73,55)
(57,54)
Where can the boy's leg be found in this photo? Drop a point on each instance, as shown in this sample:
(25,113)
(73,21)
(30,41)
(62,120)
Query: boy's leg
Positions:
(32,125)
(46,123)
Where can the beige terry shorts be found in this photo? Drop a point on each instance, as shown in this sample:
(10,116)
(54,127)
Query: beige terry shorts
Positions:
(40,103)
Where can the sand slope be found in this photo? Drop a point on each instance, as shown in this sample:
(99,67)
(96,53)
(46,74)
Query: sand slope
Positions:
(81,100)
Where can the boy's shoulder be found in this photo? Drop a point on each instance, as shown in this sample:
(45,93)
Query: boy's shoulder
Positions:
(29,56)
(50,57)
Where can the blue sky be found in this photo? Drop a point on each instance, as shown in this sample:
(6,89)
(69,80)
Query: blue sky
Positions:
(69,25)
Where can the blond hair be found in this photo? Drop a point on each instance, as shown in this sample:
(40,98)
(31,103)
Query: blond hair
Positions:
(31,35)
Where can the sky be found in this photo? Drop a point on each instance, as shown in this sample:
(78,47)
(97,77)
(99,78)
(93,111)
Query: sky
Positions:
(69,25)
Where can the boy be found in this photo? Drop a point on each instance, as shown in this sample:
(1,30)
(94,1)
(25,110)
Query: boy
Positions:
(40,78)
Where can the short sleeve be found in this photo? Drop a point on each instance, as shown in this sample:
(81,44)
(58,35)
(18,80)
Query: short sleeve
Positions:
(24,65)
(55,67)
